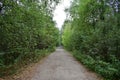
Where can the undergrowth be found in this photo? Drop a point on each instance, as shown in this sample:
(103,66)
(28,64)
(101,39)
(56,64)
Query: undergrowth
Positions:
(22,61)
(108,70)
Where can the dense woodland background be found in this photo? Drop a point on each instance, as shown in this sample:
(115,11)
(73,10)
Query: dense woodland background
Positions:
(93,35)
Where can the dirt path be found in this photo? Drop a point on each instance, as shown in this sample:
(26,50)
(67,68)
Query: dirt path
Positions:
(62,66)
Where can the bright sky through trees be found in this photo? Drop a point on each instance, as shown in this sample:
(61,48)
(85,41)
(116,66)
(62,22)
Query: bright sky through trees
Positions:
(59,13)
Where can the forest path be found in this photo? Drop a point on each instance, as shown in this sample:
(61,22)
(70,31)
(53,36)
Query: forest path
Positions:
(60,65)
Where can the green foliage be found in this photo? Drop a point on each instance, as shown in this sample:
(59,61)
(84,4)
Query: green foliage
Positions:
(94,31)
(108,70)
(66,37)
(25,26)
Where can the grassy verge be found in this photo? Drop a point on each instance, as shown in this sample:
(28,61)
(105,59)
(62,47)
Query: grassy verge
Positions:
(108,70)
(23,61)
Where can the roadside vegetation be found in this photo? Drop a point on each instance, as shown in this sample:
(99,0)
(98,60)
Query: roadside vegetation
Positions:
(92,33)
(27,32)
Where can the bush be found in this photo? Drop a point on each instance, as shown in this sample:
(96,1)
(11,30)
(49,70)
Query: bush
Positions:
(109,71)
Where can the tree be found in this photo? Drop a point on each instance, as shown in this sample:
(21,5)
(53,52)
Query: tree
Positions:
(94,33)
(25,27)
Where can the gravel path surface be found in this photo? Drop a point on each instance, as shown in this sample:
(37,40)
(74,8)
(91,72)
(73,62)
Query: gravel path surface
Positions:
(60,65)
